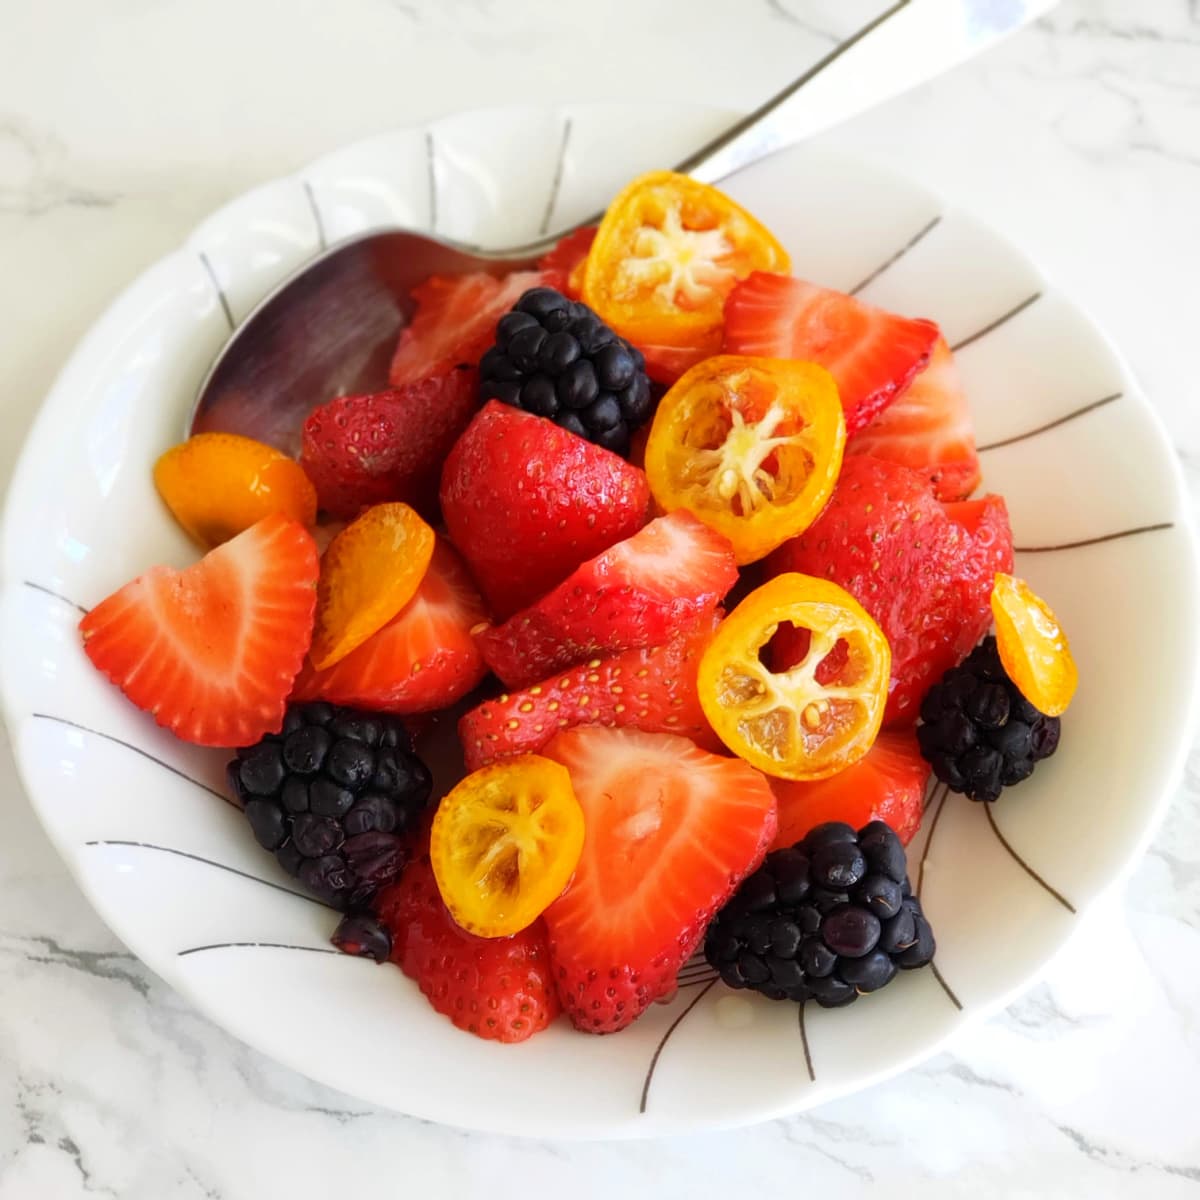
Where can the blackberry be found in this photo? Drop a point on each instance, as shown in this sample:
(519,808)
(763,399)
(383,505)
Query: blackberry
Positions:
(555,358)
(332,796)
(978,732)
(829,919)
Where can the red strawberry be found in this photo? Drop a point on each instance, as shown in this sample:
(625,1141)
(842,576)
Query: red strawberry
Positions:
(671,831)
(496,988)
(887,785)
(423,659)
(363,450)
(211,651)
(652,689)
(455,322)
(872,355)
(665,364)
(928,428)
(563,265)
(526,502)
(988,549)
(923,570)
(640,592)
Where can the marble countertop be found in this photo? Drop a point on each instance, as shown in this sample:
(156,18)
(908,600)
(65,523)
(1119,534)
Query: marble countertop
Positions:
(122,125)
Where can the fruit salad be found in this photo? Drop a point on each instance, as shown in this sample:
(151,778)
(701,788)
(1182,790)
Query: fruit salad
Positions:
(688,551)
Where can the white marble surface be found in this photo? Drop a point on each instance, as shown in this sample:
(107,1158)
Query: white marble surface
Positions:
(121,125)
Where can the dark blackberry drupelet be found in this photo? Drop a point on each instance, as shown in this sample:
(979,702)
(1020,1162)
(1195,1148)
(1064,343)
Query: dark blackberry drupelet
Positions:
(829,919)
(364,936)
(555,358)
(332,796)
(978,732)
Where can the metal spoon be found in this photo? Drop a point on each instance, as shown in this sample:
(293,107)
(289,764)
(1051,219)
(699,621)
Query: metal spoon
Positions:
(329,329)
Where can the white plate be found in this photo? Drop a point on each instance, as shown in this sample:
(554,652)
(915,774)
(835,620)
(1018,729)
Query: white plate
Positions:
(1098,511)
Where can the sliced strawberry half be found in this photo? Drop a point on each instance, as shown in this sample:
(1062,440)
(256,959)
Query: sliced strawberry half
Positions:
(887,785)
(211,651)
(364,450)
(640,592)
(671,831)
(423,659)
(922,569)
(928,428)
(873,355)
(526,502)
(563,265)
(652,689)
(665,364)
(455,322)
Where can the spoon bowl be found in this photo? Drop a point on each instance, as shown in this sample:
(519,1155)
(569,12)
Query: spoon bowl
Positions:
(328,330)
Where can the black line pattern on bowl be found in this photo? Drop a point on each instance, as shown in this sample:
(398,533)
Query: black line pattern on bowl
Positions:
(1096,541)
(1071,416)
(108,737)
(666,1037)
(556,182)
(943,794)
(808,1059)
(916,238)
(1003,319)
(37,587)
(260,945)
(705,977)
(1012,853)
(216,283)
(211,862)
(322,240)
(937,974)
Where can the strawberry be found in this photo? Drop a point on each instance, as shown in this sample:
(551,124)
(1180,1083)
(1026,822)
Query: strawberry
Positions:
(499,989)
(923,570)
(872,355)
(640,592)
(211,651)
(364,450)
(423,659)
(563,266)
(928,429)
(526,502)
(671,831)
(887,785)
(652,689)
(455,321)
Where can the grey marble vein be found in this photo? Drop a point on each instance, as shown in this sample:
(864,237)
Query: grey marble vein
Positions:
(1109,1157)
(103,964)
(792,1133)
(32,180)
(779,9)
(1085,27)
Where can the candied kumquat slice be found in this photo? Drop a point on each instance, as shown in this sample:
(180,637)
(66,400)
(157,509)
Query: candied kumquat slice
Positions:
(805,722)
(370,571)
(1033,647)
(750,446)
(667,253)
(505,843)
(219,484)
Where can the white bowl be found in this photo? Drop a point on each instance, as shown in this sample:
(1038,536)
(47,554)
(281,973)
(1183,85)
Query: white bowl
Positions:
(1099,516)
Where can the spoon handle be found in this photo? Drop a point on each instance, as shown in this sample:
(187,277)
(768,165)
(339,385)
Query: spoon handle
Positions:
(908,43)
